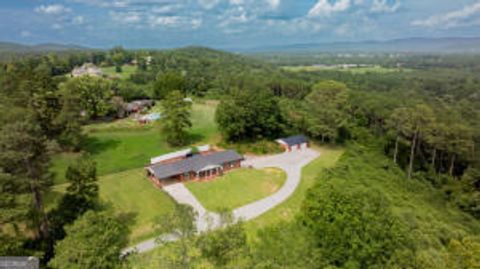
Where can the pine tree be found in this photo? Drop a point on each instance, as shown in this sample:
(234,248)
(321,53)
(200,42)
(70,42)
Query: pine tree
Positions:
(176,119)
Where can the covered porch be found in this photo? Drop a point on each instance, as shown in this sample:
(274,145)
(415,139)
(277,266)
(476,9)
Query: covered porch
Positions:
(209,172)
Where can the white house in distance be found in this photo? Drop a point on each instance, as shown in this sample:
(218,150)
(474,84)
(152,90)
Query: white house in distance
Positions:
(292,143)
(87,69)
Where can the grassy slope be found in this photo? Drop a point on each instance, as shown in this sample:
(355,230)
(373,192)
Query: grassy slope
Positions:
(132,193)
(127,71)
(287,210)
(128,192)
(431,219)
(237,188)
(121,146)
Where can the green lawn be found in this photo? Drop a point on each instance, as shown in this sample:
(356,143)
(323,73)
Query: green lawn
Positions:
(238,187)
(130,192)
(127,71)
(287,210)
(119,146)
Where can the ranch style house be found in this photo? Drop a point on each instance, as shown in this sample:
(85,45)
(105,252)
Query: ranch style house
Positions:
(186,165)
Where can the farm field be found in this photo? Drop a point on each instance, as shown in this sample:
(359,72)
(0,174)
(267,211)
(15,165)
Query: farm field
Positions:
(237,188)
(355,70)
(127,71)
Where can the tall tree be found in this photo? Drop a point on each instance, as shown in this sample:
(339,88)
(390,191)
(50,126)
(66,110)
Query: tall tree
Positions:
(459,142)
(24,155)
(176,118)
(12,212)
(92,93)
(415,125)
(350,227)
(82,178)
(167,82)
(397,126)
(249,115)
(95,240)
(327,107)
(181,224)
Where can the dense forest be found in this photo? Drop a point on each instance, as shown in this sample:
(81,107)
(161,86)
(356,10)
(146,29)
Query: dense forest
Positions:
(405,194)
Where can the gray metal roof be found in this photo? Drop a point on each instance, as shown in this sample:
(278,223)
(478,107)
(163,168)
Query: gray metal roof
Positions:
(194,163)
(294,140)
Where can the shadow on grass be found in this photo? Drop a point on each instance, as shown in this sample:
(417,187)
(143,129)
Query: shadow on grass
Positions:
(94,145)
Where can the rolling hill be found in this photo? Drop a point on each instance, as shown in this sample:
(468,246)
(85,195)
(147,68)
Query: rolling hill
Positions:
(414,45)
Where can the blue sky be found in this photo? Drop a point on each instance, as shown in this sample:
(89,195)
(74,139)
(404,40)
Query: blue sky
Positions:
(232,23)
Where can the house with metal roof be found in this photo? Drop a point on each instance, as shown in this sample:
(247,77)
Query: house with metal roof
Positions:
(200,166)
(296,142)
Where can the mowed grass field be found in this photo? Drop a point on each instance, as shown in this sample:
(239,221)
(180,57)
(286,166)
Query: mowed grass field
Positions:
(288,209)
(127,193)
(127,71)
(236,188)
(356,70)
(131,193)
(122,145)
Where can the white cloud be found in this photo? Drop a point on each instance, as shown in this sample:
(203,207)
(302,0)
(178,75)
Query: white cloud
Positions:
(274,3)
(52,9)
(166,8)
(208,4)
(325,8)
(104,3)
(233,17)
(174,21)
(25,33)
(57,26)
(236,2)
(125,17)
(196,23)
(78,20)
(382,6)
(450,19)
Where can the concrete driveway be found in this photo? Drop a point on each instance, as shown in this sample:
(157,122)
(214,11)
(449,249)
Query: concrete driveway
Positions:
(205,220)
(291,162)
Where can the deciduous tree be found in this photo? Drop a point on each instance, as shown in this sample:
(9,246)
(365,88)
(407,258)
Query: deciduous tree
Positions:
(95,240)
(249,115)
(327,109)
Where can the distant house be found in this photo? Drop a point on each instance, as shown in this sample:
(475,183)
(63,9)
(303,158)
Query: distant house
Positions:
(138,105)
(87,69)
(296,142)
(185,165)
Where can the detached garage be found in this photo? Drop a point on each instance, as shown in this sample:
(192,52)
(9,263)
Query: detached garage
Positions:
(292,143)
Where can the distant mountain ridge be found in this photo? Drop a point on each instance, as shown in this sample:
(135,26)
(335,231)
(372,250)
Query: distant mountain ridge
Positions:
(45,47)
(414,45)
